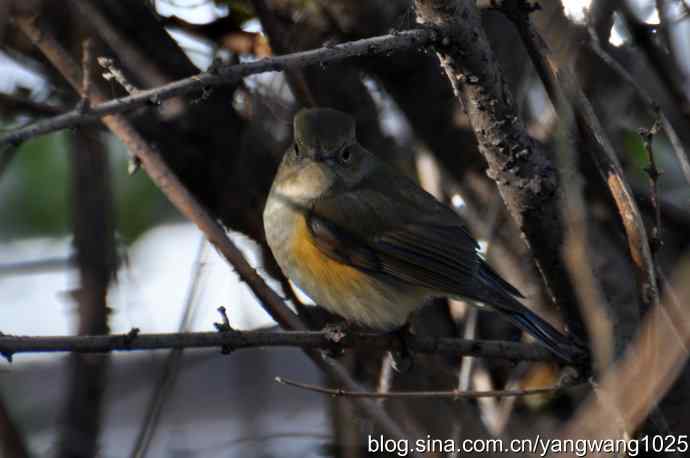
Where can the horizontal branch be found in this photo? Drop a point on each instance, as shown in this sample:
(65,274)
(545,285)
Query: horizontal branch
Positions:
(235,340)
(453,395)
(227,74)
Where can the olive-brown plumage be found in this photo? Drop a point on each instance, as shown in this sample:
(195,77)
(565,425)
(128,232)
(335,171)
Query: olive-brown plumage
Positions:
(368,244)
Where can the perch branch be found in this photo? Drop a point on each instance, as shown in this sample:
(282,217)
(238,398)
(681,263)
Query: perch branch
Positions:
(237,340)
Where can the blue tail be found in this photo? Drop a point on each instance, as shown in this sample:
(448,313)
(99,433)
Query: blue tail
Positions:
(502,297)
(557,342)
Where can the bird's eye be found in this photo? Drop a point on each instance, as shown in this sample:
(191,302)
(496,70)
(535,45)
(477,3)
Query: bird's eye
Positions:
(345,155)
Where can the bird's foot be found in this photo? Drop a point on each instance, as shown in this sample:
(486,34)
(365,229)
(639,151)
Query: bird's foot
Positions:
(335,333)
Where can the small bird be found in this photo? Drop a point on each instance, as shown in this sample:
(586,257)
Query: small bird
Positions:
(368,244)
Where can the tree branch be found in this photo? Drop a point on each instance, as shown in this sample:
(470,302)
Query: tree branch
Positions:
(172,187)
(526,178)
(226,74)
(678,145)
(237,340)
(14,104)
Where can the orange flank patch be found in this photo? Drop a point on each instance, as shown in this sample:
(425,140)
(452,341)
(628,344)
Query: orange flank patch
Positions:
(333,276)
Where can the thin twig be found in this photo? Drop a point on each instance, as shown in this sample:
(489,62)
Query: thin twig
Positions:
(16,104)
(137,61)
(643,37)
(654,173)
(676,143)
(115,73)
(87,49)
(295,77)
(452,395)
(229,74)
(510,351)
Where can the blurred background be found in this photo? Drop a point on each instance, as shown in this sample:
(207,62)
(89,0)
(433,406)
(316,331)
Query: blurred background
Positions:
(160,275)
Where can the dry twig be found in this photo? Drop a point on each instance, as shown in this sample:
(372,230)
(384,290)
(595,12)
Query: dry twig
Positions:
(453,395)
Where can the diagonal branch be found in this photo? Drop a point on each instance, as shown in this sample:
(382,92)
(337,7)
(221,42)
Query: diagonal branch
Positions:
(667,121)
(526,178)
(226,74)
(170,185)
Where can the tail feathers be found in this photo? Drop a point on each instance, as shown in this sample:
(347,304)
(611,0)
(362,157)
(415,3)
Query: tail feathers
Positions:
(501,296)
(493,280)
(557,342)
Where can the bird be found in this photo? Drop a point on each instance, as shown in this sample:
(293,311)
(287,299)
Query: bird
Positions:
(368,244)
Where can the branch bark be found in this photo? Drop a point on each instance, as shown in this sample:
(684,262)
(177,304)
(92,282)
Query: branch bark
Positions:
(225,74)
(95,258)
(236,340)
(526,179)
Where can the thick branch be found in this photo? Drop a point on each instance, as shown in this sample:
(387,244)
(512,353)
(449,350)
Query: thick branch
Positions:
(526,178)
(226,74)
(236,340)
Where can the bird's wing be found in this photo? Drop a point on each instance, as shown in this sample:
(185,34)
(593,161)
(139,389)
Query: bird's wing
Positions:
(373,232)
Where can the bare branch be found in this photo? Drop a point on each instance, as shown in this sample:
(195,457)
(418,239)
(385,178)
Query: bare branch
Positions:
(227,74)
(172,187)
(526,178)
(298,84)
(12,103)
(237,340)
(576,246)
(113,72)
(559,82)
(86,80)
(96,263)
(663,67)
(673,135)
(654,173)
(452,395)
